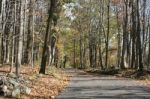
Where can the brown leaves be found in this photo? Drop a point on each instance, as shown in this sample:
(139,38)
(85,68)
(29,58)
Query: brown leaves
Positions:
(44,86)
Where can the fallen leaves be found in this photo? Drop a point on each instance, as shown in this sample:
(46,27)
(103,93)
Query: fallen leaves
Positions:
(43,86)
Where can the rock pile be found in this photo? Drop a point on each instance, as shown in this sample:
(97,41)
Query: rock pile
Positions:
(12,86)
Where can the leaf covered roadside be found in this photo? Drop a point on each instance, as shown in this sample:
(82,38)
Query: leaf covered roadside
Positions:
(42,86)
(143,78)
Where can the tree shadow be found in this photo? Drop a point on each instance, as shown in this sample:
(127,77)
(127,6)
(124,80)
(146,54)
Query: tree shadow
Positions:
(107,92)
(88,86)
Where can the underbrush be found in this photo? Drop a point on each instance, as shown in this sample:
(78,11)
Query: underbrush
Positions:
(127,73)
(135,74)
(103,72)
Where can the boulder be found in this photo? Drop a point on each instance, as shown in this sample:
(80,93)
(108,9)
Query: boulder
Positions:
(12,75)
(14,82)
(26,90)
(16,92)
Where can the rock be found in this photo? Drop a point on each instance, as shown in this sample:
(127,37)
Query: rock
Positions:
(14,82)
(40,75)
(10,86)
(9,93)
(27,81)
(20,79)
(3,80)
(16,92)
(5,88)
(6,91)
(27,90)
(52,97)
(12,75)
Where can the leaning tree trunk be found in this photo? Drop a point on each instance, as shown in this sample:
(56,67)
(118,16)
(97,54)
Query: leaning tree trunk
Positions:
(49,24)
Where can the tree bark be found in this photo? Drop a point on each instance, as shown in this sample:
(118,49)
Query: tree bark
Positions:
(45,48)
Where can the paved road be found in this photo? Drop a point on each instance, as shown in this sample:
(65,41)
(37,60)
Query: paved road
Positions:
(87,86)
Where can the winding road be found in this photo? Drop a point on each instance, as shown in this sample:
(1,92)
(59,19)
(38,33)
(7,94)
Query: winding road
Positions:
(88,86)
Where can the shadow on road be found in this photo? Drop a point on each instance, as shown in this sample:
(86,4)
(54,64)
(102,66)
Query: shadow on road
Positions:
(87,86)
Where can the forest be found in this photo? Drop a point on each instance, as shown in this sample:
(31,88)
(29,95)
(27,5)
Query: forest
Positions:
(50,42)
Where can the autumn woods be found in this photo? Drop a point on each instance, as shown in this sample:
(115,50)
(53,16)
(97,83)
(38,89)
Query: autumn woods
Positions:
(103,34)
(112,34)
(23,27)
(83,34)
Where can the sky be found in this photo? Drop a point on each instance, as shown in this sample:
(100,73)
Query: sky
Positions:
(70,7)
(69,10)
(148,4)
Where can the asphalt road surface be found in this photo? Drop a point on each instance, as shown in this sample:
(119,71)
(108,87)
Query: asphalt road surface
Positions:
(88,86)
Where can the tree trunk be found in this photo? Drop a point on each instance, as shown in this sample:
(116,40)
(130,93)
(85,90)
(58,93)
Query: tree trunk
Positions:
(45,48)
(20,34)
(139,39)
(107,38)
